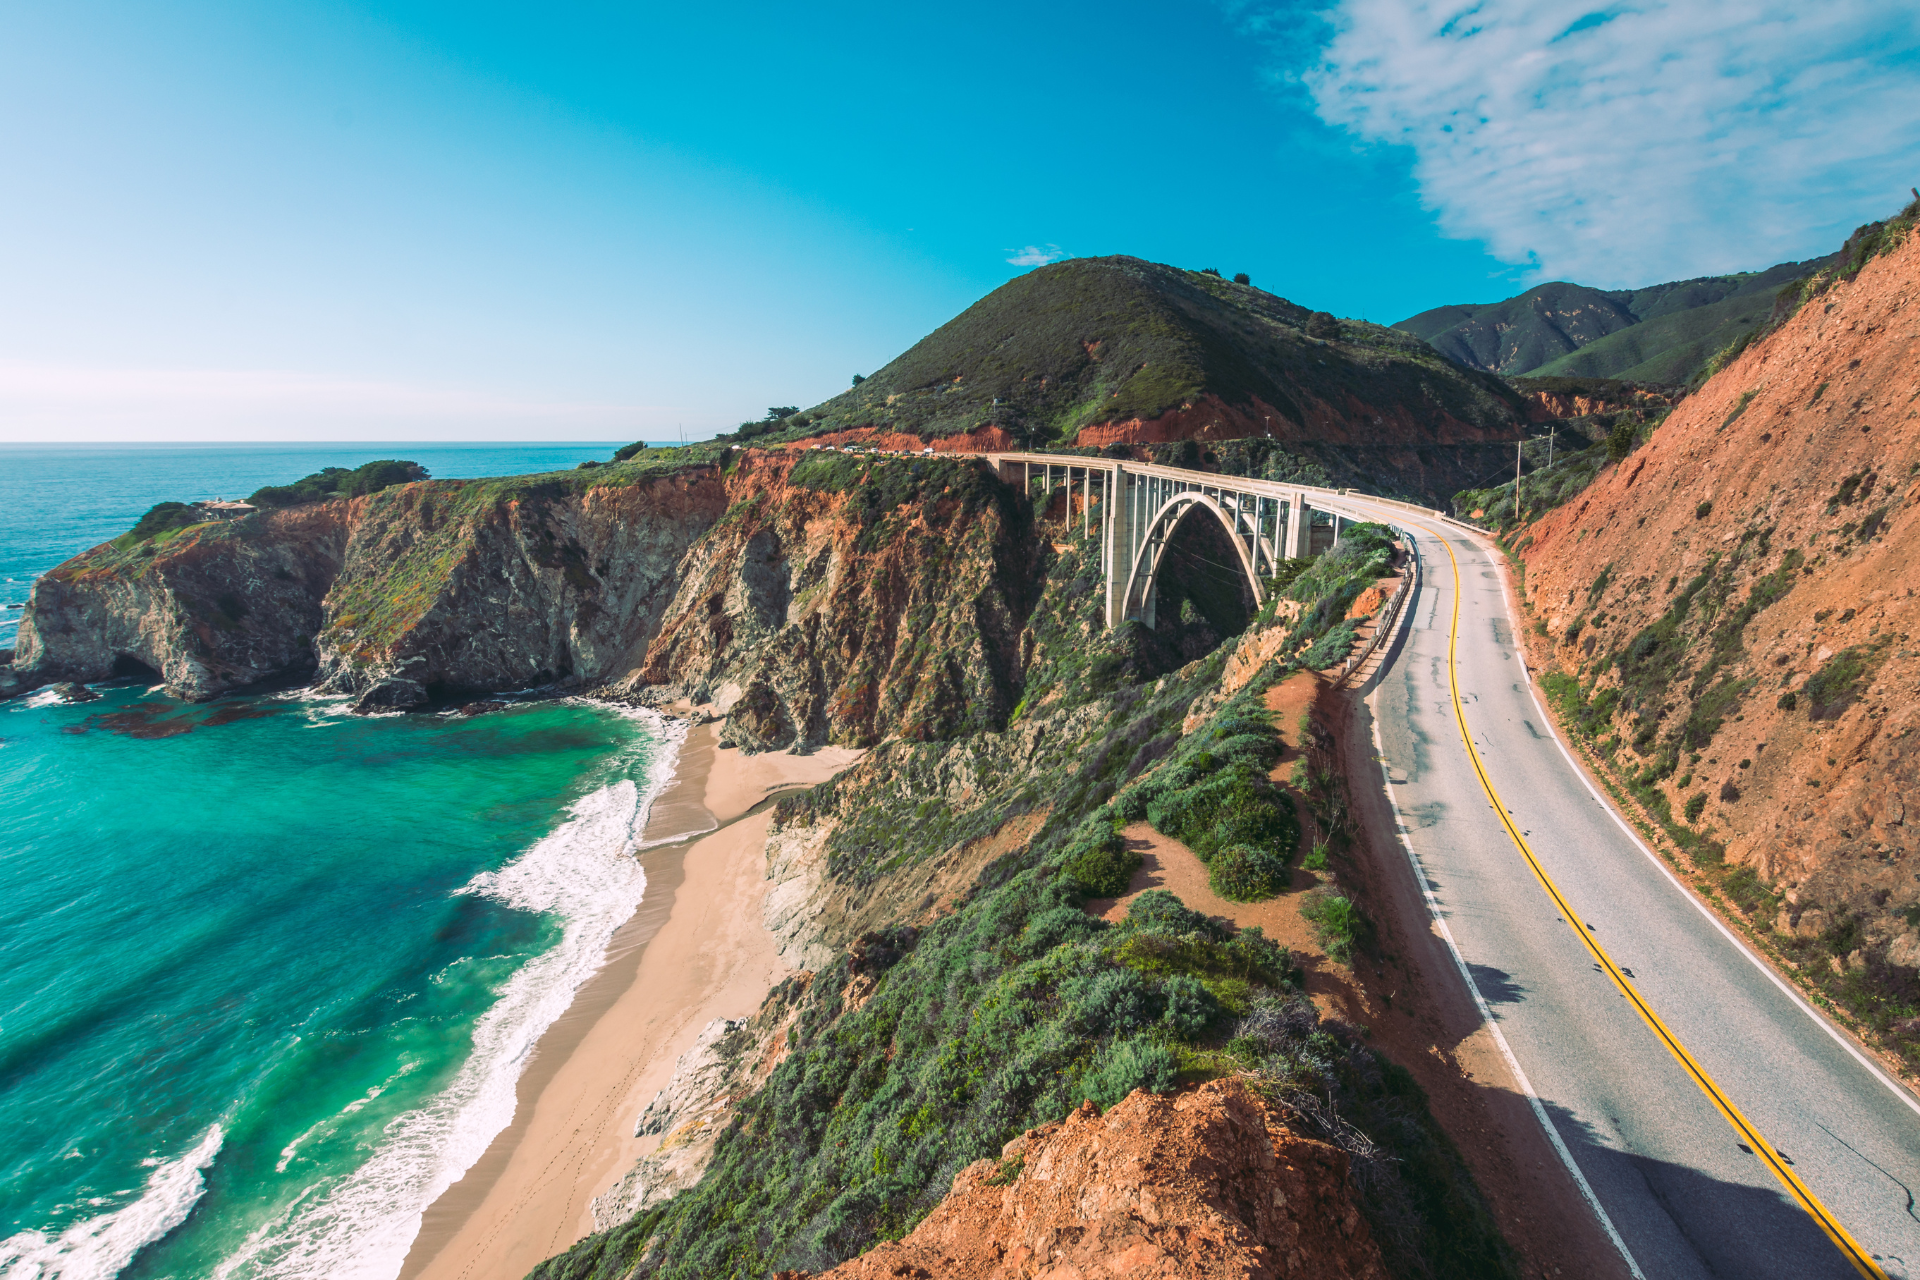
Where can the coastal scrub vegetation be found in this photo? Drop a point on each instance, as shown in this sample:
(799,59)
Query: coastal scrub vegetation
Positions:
(1583,448)
(339,482)
(1016,1004)
(163,517)
(1108,339)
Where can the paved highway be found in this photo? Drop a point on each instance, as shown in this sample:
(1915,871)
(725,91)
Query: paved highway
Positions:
(1666,1115)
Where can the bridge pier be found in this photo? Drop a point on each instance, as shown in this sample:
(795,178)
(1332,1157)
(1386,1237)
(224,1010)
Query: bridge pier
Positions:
(1299,521)
(1141,505)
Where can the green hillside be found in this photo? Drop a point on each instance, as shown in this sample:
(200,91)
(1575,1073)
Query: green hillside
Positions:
(1661,333)
(1108,339)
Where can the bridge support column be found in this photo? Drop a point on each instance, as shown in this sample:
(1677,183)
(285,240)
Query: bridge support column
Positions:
(1117,524)
(1299,521)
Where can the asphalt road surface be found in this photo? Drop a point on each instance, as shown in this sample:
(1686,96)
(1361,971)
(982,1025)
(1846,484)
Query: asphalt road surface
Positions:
(1690,1139)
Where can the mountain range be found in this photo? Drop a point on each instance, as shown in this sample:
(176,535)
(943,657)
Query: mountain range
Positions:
(1662,333)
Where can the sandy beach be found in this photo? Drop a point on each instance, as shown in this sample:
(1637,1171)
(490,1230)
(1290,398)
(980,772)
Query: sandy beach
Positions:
(696,950)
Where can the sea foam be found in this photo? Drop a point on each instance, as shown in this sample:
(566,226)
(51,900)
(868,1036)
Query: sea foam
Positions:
(99,1247)
(584,872)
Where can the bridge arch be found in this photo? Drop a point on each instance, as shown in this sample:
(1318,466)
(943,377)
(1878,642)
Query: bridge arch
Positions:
(1143,573)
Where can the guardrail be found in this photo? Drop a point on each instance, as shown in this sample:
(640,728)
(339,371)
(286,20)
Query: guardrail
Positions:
(1388,621)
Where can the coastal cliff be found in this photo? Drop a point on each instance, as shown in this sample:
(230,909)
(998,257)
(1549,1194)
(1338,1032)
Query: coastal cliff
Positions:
(808,605)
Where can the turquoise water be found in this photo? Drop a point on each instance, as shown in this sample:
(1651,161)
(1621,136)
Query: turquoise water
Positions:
(269,972)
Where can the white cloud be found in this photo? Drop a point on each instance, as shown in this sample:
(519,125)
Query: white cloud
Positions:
(40,402)
(1037,256)
(1636,142)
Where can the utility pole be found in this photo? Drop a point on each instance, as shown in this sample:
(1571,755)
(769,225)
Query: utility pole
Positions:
(1551,428)
(1517,445)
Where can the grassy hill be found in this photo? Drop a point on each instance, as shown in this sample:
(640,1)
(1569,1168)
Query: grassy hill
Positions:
(1662,333)
(1094,340)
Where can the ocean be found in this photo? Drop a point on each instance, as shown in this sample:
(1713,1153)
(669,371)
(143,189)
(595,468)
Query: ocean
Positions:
(268,971)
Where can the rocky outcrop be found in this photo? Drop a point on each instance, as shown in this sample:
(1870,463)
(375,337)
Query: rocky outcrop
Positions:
(808,616)
(210,608)
(1208,1183)
(806,613)
(689,1114)
(422,589)
(455,587)
(1744,582)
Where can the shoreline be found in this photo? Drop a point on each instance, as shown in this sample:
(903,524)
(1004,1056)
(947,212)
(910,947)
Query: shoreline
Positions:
(696,949)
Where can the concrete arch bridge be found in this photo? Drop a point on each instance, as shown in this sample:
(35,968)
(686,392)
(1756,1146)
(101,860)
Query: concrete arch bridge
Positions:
(1138,507)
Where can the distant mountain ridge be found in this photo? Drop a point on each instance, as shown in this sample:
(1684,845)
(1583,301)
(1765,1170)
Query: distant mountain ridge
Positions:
(1661,333)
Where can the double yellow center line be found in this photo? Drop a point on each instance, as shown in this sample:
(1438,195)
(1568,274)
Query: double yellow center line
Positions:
(1862,1261)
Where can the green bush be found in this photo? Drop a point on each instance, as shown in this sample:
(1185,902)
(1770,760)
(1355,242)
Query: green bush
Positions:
(1337,922)
(1247,873)
(1126,1065)
(626,451)
(1100,861)
(1695,806)
(340,482)
(1831,689)
(164,517)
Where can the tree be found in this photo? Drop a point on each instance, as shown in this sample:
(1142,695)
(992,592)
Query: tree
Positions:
(1322,325)
(781,411)
(1620,439)
(1242,278)
(859,378)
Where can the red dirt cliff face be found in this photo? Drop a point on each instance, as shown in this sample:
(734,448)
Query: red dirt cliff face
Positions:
(1203,1184)
(1807,447)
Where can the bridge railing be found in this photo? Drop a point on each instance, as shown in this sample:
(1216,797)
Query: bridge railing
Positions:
(1388,620)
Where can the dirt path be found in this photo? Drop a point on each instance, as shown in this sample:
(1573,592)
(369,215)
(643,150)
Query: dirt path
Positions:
(1406,993)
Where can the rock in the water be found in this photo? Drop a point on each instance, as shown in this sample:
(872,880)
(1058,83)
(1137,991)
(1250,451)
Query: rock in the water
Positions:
(395,693)
(68,691)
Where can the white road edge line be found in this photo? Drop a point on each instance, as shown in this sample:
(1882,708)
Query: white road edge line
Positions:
(1487,1019)
(1480,1002)
(1839,1037)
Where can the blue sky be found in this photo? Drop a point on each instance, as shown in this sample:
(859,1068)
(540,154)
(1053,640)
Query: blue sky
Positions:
(572,221)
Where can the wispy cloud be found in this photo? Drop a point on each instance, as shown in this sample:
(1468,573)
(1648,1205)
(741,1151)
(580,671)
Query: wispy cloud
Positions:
(59,402)
(1626,143)
(1037,255)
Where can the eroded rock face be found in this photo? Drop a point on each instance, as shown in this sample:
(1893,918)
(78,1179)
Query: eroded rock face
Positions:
(806,624)
(1791,473)
(805,615)
(214,608)
(1202,1184)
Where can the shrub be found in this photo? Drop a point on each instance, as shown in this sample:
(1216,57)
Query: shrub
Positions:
(164,517)
(1321,324)
(859,378)
(1112,1000)
(1337,923)
(1830,690)
(1236,805)
(1135,1063)
(1696,805)
(1163,912)
(626,451)
(1242,277)
(1787,701)
(1100,862)
(1316,859)
(1702,511)
(340,482)
(1620,439)
(1190,1007)
(1246,873)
